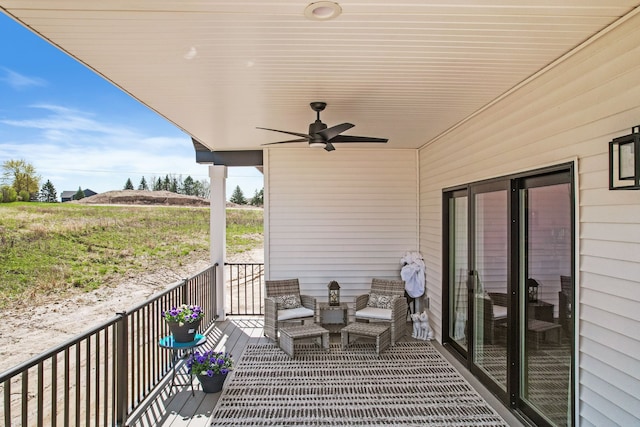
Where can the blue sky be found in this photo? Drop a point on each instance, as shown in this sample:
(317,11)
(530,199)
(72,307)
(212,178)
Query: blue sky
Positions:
(78,130)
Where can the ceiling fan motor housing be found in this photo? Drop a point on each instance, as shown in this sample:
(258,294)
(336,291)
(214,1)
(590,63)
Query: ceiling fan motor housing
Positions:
(316,127)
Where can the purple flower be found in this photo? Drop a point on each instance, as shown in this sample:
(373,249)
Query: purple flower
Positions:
(184,314)
(210,363)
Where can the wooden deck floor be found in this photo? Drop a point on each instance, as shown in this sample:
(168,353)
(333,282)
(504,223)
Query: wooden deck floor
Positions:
(177,407)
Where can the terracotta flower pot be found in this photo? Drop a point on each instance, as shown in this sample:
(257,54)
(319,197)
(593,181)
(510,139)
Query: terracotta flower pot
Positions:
(185,332)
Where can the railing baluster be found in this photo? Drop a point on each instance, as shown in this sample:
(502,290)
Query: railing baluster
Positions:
(77,383)
(7,403)
(40,393)
(54,391)
(96,389)
(87,385)
(25,396)
(67,409)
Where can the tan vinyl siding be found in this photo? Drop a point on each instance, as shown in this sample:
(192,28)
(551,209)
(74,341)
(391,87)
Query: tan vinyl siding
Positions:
(570,112)
(348,215)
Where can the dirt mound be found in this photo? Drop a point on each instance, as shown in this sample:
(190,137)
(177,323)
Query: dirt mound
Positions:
(143,197)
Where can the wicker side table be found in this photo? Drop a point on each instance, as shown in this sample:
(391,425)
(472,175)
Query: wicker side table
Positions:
(379,331)
(288,335)
(326,316)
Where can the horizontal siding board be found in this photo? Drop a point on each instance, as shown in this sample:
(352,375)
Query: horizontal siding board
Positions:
(570,112)
(613,268)
(605,285)
(612,415)
(623,251)
(593,417)
(609,232)
(621,333)
(615,375)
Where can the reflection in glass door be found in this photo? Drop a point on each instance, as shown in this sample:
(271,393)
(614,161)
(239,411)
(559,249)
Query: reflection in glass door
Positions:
(490,278)
(458,268)
(546,291)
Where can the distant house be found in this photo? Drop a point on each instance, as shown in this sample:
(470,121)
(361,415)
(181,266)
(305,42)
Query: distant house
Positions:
(68,196)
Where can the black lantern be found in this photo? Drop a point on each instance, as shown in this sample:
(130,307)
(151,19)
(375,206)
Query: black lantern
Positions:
(532,290)
(334,293)
(624,161)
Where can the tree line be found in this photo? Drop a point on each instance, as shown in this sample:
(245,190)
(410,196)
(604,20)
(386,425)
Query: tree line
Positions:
(188,186)
(20,182)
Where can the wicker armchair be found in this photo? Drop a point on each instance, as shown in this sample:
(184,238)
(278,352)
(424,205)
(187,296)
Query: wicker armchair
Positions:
(494,308)
(395,316)
(277,311)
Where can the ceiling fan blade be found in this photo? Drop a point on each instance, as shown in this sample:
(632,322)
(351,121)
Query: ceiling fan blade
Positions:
(286,142)
(301,135)
(329,147)
(351,138)
(334,131)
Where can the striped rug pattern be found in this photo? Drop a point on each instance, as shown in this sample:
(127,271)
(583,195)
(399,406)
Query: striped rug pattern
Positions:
(411,384)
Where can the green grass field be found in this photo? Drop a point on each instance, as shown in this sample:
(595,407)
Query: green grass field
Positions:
(50,249)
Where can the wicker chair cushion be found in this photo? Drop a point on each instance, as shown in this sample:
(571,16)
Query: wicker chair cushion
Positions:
(380,301)
(294,313)
(374,313)
(288,301)
(499,312)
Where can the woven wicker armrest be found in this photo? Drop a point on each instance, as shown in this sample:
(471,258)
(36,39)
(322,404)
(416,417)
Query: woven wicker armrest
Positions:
(270,318)
(361,301)
(399,304)
(270,301)
(308,302)
(499,298)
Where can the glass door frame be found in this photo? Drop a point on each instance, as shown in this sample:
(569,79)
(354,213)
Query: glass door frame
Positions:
(514,183)
(561,174)
(447,197)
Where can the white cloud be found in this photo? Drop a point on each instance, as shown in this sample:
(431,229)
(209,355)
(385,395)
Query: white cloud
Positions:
(20,81)
(62,119)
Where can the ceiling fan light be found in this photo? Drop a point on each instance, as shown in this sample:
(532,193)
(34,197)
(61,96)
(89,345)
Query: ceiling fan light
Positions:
(317,144)
(322,10)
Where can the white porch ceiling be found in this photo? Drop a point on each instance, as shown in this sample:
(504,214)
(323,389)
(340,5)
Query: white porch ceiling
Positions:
(407,71)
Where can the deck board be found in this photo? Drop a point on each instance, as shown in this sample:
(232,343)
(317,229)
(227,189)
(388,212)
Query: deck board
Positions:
(178,408)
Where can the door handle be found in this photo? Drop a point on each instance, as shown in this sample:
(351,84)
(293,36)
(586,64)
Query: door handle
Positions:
(471,280)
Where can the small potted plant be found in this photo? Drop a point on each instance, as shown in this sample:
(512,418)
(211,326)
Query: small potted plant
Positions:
(211,368)
(184,321)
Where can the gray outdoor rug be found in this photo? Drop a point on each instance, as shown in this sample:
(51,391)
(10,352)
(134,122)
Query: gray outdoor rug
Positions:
(411,384)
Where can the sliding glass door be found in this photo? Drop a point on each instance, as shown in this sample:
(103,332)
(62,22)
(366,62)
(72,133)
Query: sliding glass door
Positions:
(546,295)
(489,273)
(509,254)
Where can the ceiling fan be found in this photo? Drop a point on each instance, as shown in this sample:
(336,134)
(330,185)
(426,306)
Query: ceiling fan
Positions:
(323,137)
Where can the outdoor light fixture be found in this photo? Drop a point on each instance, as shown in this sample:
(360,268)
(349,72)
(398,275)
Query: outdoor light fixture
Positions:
(624,161)
(322,10)
(334,293)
